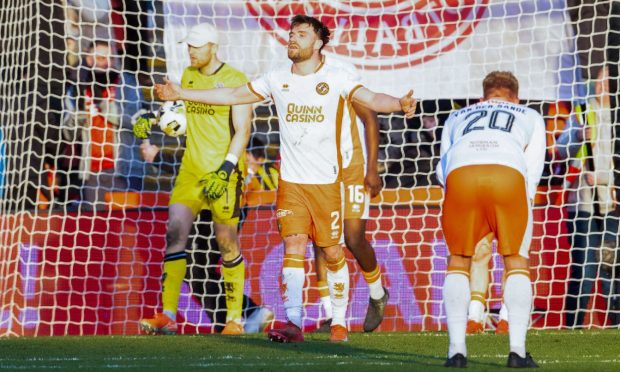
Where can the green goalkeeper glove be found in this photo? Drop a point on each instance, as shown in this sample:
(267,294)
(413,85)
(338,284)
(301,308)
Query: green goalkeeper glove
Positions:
(214,184)
(142,124)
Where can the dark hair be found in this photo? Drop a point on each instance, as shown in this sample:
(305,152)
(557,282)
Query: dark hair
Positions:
(97,42)
(500,79)
(256,147)
(318,26)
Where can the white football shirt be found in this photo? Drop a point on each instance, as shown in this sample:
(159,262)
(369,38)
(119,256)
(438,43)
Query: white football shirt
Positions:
(310,114)
(350,124)
(494,132)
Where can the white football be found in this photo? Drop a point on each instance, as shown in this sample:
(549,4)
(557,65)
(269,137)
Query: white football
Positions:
(172,120)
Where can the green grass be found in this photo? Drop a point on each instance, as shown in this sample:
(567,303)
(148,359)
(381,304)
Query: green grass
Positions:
(595,351)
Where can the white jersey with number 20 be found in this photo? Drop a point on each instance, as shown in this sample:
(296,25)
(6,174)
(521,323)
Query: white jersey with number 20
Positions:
(494,132)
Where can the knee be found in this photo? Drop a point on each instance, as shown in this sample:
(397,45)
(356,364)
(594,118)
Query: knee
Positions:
(174,240)
(333,254)
(516,262)
(354,242)
(228,247)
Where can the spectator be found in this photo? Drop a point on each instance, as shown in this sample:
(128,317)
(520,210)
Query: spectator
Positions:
(136,34)
(89,20)
(588,138)
(100,107)
(262,173)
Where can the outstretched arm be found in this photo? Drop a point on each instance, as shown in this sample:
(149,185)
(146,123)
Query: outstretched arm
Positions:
(380,102)
(219,96)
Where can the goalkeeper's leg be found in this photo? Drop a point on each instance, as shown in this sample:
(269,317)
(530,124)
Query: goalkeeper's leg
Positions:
(180,220)
(233,272)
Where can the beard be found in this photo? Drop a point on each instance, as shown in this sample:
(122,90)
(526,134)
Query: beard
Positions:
(299,54)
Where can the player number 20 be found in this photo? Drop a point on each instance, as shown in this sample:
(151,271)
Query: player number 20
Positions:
(500,119)
(356,193)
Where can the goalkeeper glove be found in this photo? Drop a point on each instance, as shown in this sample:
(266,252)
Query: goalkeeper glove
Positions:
(214,184)
(142,123)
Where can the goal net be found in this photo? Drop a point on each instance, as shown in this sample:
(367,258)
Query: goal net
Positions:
(83,213)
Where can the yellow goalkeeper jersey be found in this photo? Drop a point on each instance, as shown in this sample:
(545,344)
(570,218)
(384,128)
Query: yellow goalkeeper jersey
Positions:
(209,128)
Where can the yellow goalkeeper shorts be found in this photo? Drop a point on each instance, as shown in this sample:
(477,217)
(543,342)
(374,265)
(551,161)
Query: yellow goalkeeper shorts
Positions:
(225,210)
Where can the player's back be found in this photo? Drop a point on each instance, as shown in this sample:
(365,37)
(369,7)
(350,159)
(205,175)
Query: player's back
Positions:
(490,132)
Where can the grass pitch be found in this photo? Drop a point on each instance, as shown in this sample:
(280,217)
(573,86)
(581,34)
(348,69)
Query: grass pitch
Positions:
(595,351)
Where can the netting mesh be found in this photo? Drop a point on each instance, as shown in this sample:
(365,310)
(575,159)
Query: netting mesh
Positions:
(83,215)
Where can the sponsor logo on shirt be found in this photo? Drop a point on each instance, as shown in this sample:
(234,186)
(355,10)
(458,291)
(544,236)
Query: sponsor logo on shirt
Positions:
(198,108)
(304,113)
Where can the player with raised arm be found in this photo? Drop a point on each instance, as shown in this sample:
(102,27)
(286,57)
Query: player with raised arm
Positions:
(211,177)
(360,176)
(309,98)
(491,159)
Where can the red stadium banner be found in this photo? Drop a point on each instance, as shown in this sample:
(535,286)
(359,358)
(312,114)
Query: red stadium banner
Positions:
(85,274)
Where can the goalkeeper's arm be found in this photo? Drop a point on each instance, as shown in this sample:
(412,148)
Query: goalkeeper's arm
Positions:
(215,183)
(142,122)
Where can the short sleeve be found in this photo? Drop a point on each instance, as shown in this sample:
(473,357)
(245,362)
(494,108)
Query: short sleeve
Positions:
(239,79)
(261,87)
(350,83)
(185,78)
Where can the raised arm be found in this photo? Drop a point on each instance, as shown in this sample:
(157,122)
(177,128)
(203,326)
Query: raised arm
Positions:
(219,96)
(380,102)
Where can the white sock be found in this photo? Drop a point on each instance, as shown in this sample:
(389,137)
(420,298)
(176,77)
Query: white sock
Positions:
(518,299)
(456,301)
(476,311)
(375,285)
(376,290)
(326,303)
(338,281)
(503,312)
(293,283)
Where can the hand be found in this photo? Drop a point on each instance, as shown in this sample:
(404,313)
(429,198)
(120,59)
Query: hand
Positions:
(168,91)
(408,104)
(214,184)
(590,178)
(142,123)
(586,134)
(148,151)
(372,182)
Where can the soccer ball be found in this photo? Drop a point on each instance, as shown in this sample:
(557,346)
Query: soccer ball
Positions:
(172,120)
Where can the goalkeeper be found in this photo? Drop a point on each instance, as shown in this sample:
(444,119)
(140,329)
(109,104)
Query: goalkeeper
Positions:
(210,177)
